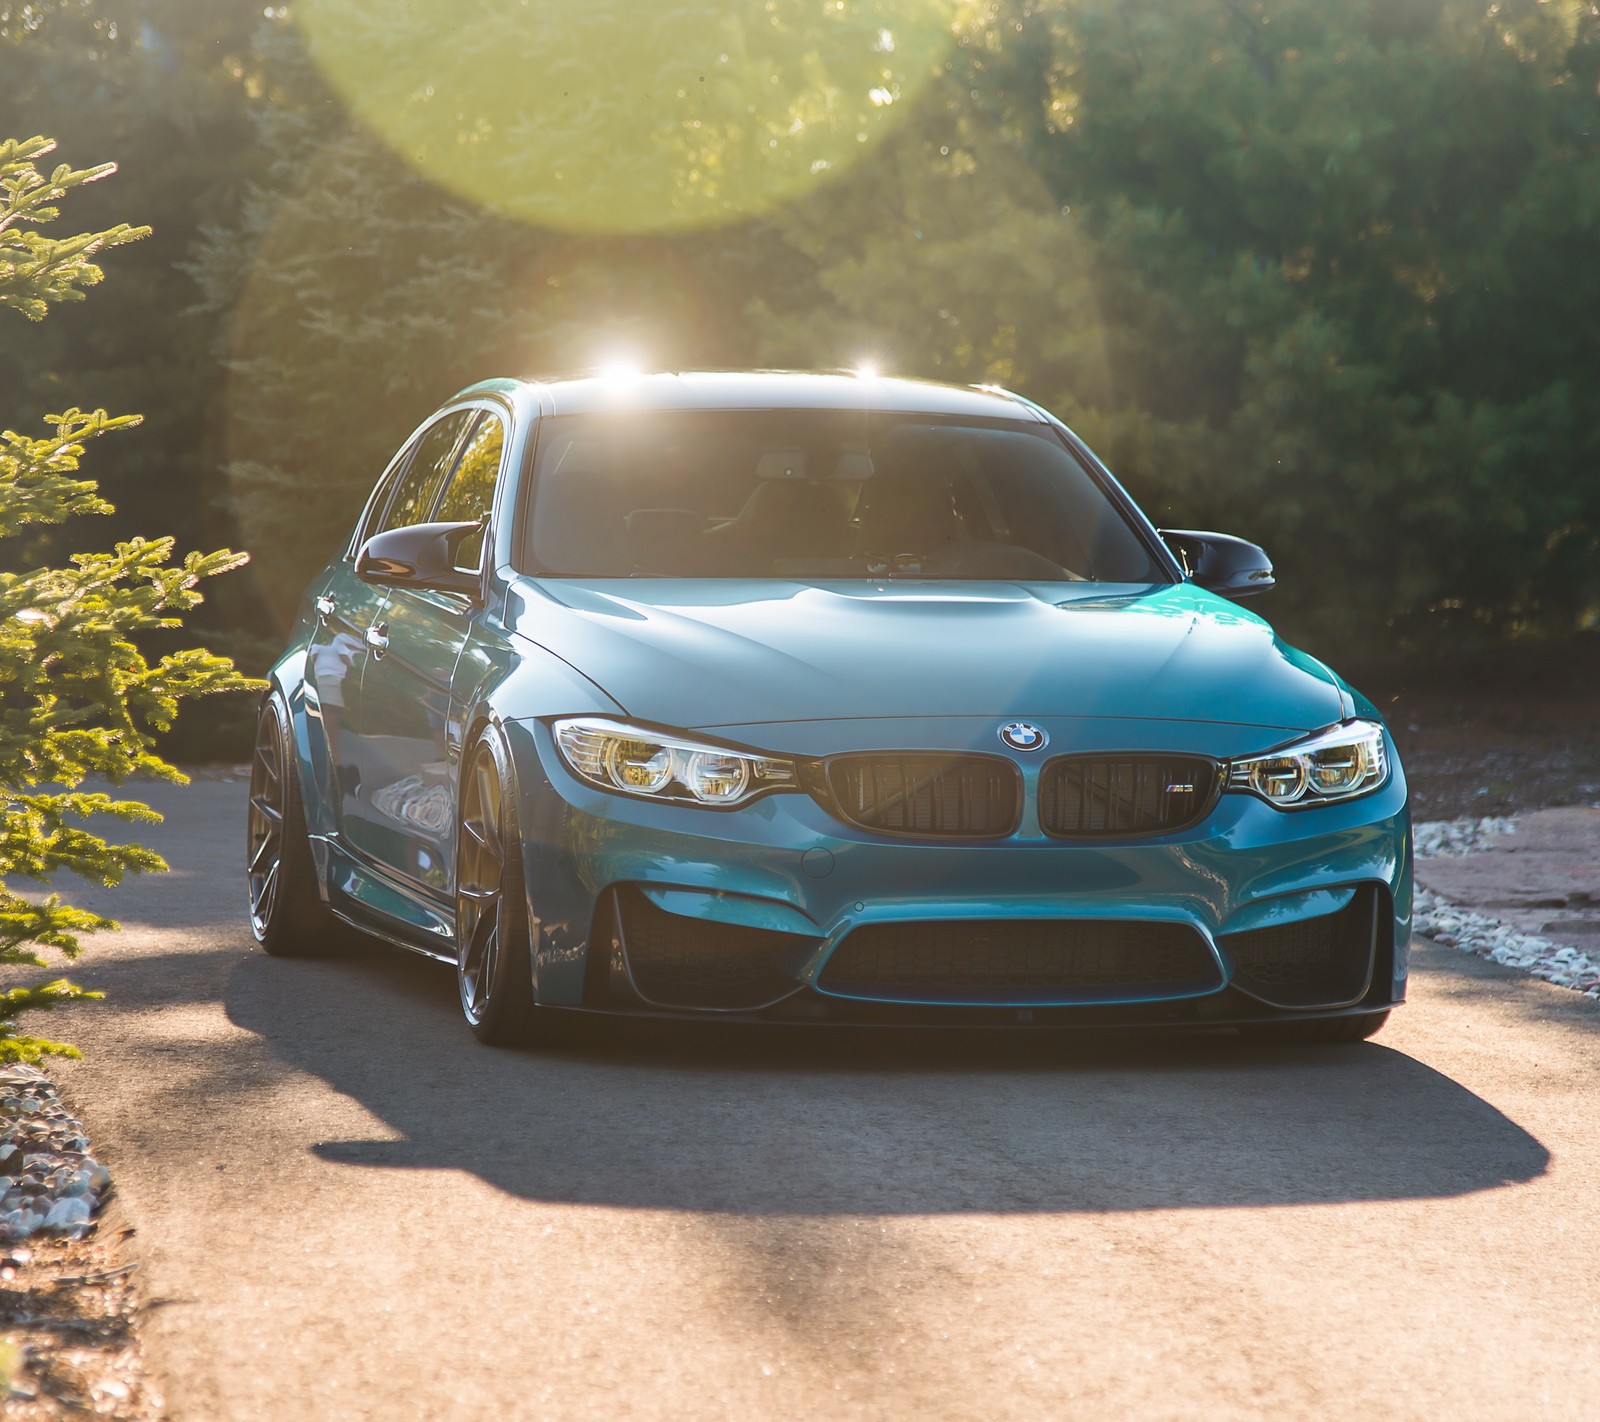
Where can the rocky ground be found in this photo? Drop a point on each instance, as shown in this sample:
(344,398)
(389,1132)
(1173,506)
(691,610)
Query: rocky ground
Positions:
(1502,751)
(69,1298)
(1523,892)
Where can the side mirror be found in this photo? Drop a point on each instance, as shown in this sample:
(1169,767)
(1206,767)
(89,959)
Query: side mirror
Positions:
(1221,563)
(421,555)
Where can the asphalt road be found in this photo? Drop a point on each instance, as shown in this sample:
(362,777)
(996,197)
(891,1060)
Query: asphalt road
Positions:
(349,1209)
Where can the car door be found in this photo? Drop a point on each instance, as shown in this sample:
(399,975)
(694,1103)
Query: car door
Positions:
(351,619)
(410,725)
(336,654)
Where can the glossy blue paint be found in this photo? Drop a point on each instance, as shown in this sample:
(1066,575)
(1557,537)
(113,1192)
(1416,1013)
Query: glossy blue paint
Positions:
(727,652)
(807,670)
(1247,865)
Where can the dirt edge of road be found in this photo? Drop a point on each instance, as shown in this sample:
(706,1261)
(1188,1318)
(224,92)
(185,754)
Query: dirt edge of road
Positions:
(71,1319)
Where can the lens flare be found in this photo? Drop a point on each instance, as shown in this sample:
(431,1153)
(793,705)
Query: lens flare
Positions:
(629,115)
(619,365)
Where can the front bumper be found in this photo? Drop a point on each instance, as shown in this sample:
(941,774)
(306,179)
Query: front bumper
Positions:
(764,897)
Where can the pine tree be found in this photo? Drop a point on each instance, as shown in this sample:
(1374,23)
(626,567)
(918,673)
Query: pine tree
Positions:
(1318,274)
(78,697)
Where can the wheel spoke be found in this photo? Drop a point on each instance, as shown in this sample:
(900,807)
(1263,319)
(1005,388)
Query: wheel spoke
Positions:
(480,869)
(269,844)
(477,964)
(491,957)
(268,761)
(264,842)
(489,806)
(267,894)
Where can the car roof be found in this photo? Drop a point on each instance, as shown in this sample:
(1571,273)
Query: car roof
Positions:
(768,390)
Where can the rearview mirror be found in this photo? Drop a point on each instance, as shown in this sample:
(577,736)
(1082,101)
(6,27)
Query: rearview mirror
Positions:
(421,555)
(1221,563)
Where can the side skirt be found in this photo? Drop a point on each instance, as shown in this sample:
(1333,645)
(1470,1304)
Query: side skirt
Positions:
(377,903)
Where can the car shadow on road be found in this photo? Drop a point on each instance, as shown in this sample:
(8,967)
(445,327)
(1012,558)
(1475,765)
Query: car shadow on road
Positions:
(811,1122)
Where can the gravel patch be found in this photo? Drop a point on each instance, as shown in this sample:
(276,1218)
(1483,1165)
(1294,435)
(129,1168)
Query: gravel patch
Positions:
(49,1183)
(70,1319)
(1455,927)
(1449,839)
(69,1304)
(1441,921)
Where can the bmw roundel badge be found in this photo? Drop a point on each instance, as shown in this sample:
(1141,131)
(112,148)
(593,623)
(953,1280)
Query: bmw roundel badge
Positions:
(1021,736)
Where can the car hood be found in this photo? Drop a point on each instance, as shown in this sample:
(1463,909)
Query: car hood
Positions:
(704,653)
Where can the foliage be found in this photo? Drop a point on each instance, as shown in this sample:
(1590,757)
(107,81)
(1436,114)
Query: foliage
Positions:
(1317,273)
(171,80)
(77,696)
(357,296)
(628,115)
(33,270)
(1338,259)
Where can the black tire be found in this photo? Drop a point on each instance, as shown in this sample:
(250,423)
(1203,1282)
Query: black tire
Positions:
(287,914)
(1326,1032)
(494,963)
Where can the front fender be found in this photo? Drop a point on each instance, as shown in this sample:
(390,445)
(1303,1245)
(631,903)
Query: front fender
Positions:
(288,677)
(504,677)
(513,684)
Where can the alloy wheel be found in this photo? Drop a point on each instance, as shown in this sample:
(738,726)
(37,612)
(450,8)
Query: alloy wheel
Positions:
(264,845)
(479,877)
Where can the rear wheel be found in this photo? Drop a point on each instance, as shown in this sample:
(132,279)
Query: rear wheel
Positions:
(1327,1031)
(287,914)
(494,966)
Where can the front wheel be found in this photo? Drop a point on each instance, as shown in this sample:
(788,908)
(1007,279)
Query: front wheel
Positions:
(1328,1031)
(287,915)
(494,968)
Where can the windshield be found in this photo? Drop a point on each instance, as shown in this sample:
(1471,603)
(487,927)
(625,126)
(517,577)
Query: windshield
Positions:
(820,494)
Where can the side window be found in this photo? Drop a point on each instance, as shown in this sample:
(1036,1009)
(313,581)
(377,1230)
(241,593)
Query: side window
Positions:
(470,493)
(419,485)
(372,515)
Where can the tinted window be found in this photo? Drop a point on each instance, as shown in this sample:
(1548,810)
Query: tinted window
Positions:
(821,494)
(470,493)
(372,515)
(419,486)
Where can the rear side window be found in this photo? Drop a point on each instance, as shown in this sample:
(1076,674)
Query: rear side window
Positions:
(413,498)
(470,493)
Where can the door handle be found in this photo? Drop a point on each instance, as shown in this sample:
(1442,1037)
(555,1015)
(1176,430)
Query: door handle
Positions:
(378,638)
(325,607)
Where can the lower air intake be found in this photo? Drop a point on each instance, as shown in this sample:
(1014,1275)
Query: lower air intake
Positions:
(675,961)
(1009,960)
(1317,962)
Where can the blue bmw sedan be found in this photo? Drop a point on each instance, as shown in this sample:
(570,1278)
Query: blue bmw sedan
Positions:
(818,698)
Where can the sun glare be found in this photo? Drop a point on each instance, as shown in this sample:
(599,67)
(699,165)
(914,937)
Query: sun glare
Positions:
(629,115)
(619,365)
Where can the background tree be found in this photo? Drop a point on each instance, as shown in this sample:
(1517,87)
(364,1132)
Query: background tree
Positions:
(77,696)
(1317,273)
(352,295)
(1355,243)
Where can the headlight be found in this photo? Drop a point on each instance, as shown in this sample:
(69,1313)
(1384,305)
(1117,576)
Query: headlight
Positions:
(1339,764)
(656,766)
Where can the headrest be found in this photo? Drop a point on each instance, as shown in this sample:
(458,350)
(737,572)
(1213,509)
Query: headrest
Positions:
(782,464)
(854,466)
